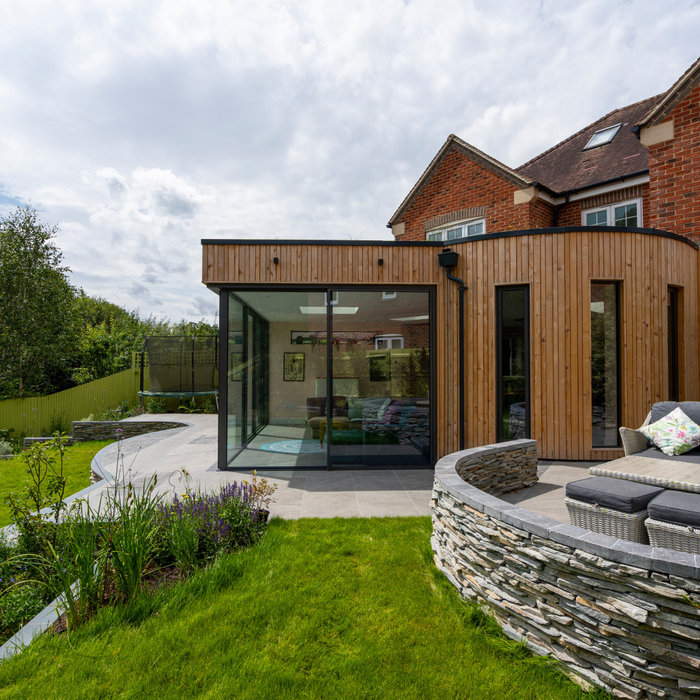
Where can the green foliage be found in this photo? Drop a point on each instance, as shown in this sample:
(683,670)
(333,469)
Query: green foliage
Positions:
(14,477)
(335,608)
(53,336)
(19,605)
(155,404)
(5,448)
(132,540)
(36,303)
(44,463)
(125,409)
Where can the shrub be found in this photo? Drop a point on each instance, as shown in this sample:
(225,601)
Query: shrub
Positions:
(19,605)
(5,448)
(156,404)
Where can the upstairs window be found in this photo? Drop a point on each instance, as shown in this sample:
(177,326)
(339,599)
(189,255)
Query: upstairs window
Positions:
(622,214)
(602,136)
(473,227)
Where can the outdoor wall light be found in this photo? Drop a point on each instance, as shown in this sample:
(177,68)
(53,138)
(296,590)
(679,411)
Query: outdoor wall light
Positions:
(380,261)
(276,261)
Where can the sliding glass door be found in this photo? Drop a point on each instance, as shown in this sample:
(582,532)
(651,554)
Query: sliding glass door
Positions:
(381,368)
(296,400)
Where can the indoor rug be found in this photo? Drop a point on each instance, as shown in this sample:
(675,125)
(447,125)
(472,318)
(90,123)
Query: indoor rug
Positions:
(292,447)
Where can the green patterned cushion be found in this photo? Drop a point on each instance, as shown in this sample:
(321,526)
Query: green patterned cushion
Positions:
(674,434)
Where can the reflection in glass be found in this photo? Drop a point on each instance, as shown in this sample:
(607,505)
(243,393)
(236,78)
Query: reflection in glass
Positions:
(286,409)
(605,363)
(381,370)
(513,363)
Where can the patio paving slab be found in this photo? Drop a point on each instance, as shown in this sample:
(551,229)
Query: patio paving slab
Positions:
(323,493)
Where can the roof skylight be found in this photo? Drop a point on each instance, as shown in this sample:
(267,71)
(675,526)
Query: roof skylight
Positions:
(602,136)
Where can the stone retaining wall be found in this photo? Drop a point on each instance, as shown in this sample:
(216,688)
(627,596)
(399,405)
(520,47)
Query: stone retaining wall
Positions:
(616,614)
(85,430)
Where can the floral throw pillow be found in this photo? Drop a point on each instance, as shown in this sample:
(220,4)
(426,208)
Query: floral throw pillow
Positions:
(674,434)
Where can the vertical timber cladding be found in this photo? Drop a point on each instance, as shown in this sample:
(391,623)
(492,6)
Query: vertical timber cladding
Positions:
(559,267)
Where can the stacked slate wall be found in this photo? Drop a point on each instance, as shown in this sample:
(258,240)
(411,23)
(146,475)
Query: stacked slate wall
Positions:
(616,614)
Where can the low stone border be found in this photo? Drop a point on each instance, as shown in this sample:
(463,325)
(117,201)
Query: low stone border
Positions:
(616,614)
(85,430)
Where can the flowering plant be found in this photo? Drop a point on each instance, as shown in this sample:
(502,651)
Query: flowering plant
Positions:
(261,491)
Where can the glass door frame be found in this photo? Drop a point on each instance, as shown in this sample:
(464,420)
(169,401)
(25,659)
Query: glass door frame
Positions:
(225,290)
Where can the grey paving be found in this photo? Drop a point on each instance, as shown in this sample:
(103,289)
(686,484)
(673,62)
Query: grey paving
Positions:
(311,493)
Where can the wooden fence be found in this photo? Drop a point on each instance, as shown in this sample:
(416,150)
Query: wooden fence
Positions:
(41,415)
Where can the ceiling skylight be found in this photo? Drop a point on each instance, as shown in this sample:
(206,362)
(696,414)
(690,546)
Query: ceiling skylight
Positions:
(602,136)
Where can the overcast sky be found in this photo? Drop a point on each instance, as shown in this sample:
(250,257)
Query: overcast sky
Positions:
(140,128)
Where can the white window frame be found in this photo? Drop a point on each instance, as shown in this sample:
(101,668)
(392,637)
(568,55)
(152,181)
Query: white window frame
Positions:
(441,233)
(393,341)
(613,129)
(610,212)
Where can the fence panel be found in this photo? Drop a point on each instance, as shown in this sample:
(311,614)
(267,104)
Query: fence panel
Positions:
(41,415)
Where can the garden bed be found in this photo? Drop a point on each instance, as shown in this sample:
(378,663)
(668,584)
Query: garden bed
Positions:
(134,540)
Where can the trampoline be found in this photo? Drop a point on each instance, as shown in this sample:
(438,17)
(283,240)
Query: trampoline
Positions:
(182,367)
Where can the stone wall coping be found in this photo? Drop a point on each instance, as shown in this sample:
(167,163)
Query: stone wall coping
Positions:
(621,551)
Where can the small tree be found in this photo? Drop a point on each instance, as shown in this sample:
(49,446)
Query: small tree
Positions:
(36,301)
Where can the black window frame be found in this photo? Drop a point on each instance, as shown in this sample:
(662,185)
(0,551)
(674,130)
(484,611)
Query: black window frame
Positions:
(618,359)
(500,289)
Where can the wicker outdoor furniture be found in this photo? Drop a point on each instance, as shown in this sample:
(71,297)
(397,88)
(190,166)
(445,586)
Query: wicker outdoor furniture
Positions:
(615,507)
(674,521)
(673,517)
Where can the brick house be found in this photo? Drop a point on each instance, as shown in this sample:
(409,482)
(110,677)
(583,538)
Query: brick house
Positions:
(568,303)
(635,167)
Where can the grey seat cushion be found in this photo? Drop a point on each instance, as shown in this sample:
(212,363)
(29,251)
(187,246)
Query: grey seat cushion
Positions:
(693,456)
(663,408)
(616,494)
(679,507)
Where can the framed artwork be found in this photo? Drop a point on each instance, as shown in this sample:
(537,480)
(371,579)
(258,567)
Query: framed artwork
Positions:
(379,368)
(293,367)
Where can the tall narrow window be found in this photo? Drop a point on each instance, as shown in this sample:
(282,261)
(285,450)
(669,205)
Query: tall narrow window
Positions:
(513,363)
(673,335)
(605,363)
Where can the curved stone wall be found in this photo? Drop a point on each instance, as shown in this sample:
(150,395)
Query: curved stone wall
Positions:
(616,614)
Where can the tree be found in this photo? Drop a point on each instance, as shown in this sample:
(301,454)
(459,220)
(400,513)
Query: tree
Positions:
(36,303)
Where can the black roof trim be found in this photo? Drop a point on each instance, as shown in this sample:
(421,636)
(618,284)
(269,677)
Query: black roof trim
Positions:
(447,244)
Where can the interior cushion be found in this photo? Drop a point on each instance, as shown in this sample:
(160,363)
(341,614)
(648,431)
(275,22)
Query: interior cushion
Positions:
(674,434)
(679,507)
(616,494)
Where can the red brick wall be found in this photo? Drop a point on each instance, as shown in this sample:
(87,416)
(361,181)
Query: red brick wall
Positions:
(570,214)
(459,182)
(674,172)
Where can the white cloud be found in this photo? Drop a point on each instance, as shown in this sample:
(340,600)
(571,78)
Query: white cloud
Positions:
(141,128)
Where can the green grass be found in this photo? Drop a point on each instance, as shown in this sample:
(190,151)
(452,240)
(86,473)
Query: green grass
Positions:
(13,474)
(341,608)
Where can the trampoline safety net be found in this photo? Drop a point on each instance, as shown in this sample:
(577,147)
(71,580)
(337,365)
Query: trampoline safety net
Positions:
(182,363)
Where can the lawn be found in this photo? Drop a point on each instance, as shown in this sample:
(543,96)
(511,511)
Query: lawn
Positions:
(13,474)
(319,608)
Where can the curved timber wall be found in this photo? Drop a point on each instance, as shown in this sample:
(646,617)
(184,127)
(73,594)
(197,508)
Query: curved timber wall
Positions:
(616,614)
(558,265)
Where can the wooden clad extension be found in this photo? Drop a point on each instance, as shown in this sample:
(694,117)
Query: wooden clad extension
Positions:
(559,266)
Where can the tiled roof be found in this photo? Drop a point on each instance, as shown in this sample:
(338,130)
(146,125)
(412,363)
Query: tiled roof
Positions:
(566,166)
